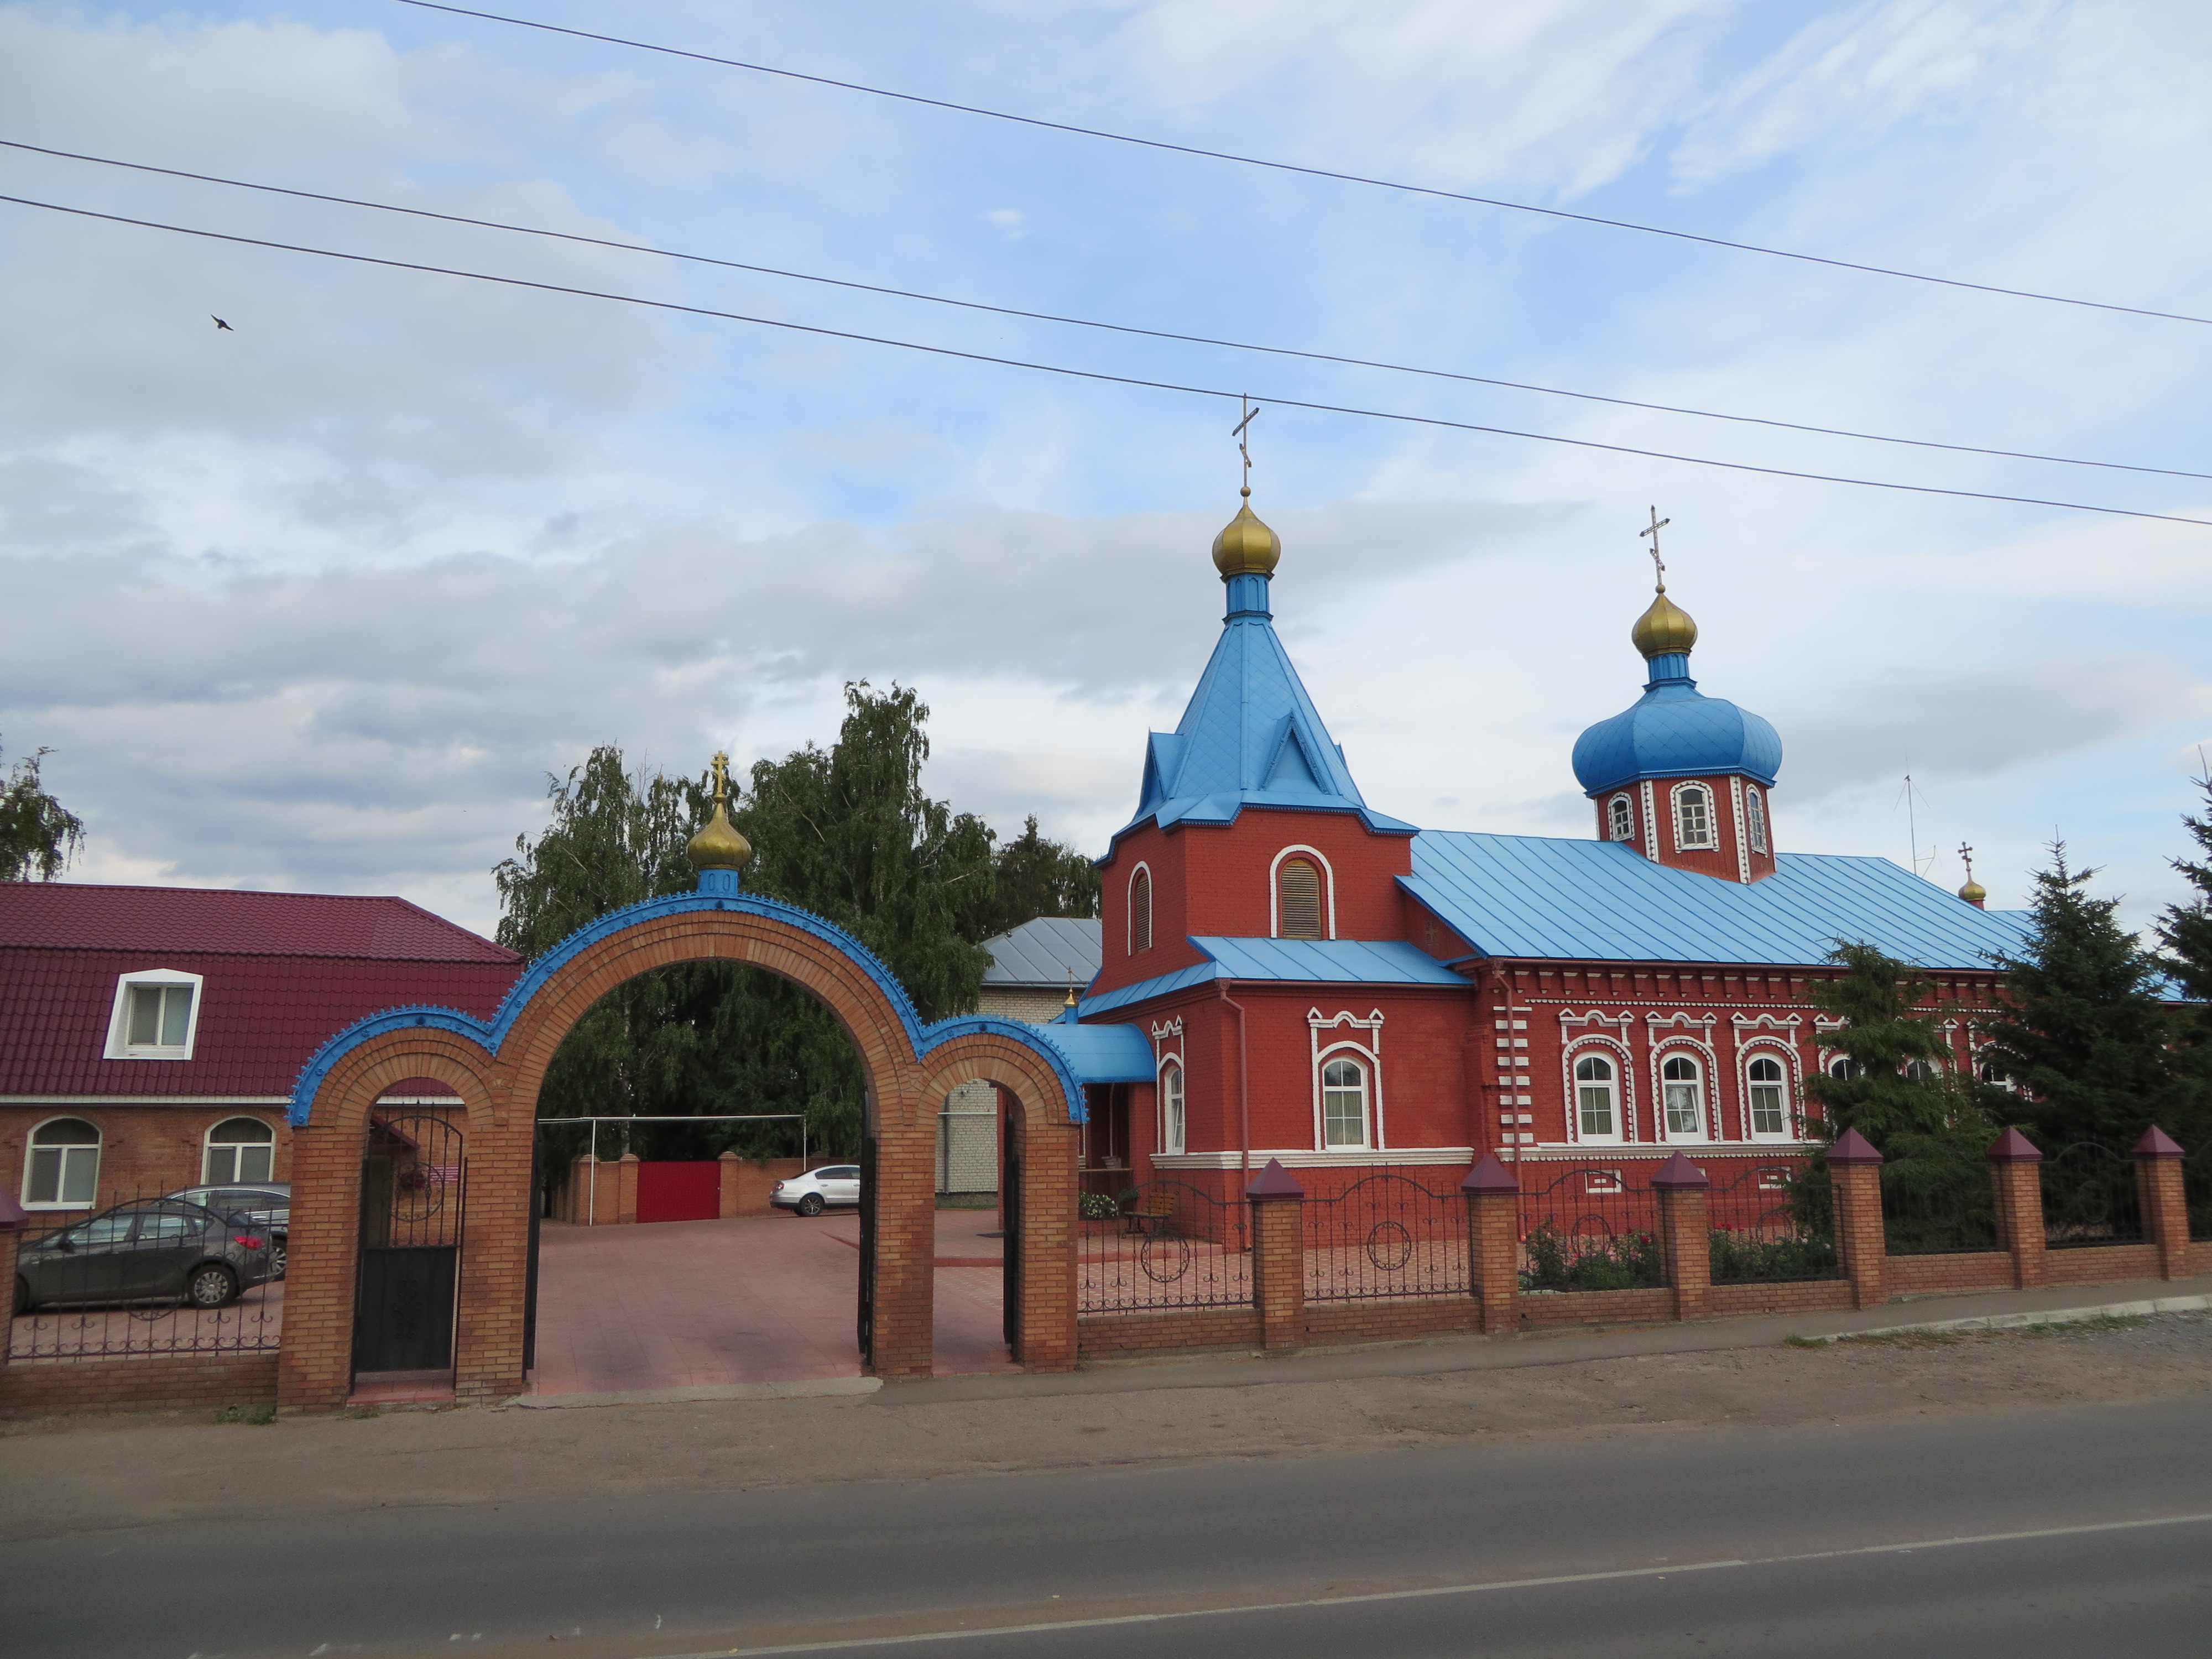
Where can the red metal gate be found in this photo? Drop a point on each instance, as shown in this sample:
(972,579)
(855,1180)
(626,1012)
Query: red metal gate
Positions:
(679,1192)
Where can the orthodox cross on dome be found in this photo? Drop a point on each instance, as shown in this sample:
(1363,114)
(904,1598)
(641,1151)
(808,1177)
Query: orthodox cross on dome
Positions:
(1658,564)
(1966,855)
(722,776)
(1242,433)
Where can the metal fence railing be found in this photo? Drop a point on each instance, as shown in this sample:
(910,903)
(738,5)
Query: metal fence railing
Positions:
(1773,1225)
(1592,1228)
(1936,1209)
(1167,1245)
(2090,1198)
(1386,1234)
(148,1277)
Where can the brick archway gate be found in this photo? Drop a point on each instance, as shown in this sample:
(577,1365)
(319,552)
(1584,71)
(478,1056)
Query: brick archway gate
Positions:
(496,1069)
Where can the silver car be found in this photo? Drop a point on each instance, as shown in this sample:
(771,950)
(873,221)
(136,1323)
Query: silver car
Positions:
(157,1250)
(267,1203)
(818,1189)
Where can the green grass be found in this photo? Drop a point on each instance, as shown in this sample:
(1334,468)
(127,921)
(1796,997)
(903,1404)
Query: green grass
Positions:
(255,1414)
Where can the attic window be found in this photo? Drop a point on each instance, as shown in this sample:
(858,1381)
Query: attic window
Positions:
(1694,817)
(1620,819)
(156,1016)
(1298,899)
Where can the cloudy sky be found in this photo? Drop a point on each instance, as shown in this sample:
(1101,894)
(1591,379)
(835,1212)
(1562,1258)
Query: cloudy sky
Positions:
(319,602)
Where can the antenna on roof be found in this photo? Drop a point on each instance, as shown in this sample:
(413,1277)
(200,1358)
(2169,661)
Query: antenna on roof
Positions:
(1909,795)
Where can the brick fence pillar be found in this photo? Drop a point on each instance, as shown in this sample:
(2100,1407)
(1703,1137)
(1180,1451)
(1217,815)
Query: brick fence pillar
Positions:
(1279,1255)
(1684,1235)
(1493,1242)
(626,1186)
(2165,1203)
(730,1169)
(1854,1185)
(2017,1179)
(12,1217)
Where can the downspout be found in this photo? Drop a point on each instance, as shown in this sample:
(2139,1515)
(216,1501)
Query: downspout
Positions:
(1243,1106)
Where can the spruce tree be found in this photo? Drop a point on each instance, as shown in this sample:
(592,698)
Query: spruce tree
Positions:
(1040,877)
(2185,930)
(2083,1034)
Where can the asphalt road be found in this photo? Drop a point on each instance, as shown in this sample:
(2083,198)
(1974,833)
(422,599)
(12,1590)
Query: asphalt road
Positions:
(2026,1535)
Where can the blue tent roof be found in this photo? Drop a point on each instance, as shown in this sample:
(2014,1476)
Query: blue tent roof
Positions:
(1675,731)
(1102,1054)
(1534,896)
(1251,737)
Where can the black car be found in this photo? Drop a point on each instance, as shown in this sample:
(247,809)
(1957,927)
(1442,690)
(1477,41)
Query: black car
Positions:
(157,1250)
(266,1204)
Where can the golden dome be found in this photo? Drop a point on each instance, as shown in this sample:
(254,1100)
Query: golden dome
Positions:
(1665,627)
(719,846)
(1973,892)
(1246,547)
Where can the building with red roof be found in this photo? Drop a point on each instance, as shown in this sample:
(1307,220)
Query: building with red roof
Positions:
(149,1037)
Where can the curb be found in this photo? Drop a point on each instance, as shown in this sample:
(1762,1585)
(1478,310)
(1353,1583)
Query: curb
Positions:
(2165,1304)
(803,1388)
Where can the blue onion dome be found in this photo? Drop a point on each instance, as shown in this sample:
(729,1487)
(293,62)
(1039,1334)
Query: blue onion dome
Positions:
(1674,731)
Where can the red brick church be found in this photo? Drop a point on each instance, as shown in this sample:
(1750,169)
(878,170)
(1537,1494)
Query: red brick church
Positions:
(1326,985)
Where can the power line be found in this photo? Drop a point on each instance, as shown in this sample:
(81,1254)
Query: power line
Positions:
(1086,322)
(1309,172)
(1089,373)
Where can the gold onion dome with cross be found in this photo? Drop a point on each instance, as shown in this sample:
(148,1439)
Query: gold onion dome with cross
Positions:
(1665,627)
(719,846)
(1245,546)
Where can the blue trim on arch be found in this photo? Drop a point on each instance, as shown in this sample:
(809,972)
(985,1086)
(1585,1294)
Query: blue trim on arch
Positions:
(718,890)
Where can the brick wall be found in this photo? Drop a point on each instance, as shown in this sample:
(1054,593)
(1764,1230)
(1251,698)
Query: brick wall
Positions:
(1125,1336)
(1806,1295)
(1391,1319)
(169,1382)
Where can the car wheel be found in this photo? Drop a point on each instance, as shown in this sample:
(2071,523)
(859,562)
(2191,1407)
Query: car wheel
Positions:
(277,1255)
(22,1294)
(211,1285)
(810,1204)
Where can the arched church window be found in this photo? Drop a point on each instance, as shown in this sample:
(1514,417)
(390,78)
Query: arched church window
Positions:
(1694,817)
(1769,1112)
(1620,819)
(1682,1084)
(1755,812)
(63,1169)
(1343,1103)
(1140,911)
(1171,1109)
(1844,1069)
(1298,899)
(239,1149)
(1595,1113)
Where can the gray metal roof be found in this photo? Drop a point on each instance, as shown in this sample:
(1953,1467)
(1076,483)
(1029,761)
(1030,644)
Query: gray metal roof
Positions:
(1057,951)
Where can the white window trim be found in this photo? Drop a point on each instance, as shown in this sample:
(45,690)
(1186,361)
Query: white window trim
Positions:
(1167,1050)
(1623,1089)
(118,1016)
(100,1155)
(1755,820)
(207,1142)
(1621,799)
(1793,1116)
(1369,1051)
(1328,890)
(1709,1106)
(1711,843)
(1742,835)
(1650,822)
(1130,910)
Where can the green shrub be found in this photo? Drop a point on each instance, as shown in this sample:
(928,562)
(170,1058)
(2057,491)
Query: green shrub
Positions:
(1740,1259)
(1631,1261)
(1097,1206)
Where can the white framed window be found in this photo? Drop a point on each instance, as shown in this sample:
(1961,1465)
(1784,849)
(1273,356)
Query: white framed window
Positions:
(1344,1093)
(1300,895)
(1694,817)
(156,1016)
(238,1151)
(1844,1069)
(1682,1094)
(1754,813)
(1597,1098)
(1767,1092)
(1174,1126)
(1620,819)
(1140,911)
(63,1169)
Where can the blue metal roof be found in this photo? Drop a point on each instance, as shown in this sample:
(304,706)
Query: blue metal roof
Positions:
(1675,731)
(1534,896)
(1301,961)
(1251,737)
(1102,1054)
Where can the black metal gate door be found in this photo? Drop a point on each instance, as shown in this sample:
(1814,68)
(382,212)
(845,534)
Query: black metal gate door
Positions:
(1010,1210)
(867,1307)
(414,1192)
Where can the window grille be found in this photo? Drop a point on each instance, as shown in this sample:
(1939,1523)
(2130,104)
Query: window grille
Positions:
(1297,900)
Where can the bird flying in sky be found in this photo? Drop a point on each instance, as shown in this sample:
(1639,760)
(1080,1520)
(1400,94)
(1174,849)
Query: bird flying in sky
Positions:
(221,324)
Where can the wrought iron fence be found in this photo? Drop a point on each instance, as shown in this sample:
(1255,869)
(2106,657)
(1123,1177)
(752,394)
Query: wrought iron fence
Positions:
(2196,1183)
(1167,1245)
(1773,1225)
(1936,1209)
(1593,1228)
(1386,1234)
(145,1278)
(2089,1198)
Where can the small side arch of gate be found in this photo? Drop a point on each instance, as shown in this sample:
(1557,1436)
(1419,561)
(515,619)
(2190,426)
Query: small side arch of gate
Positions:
(497,1067)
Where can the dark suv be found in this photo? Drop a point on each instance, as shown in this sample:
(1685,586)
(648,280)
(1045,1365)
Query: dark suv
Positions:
(266,1204)
(158,1249)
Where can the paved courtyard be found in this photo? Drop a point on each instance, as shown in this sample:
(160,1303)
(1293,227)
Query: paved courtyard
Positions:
(690,1303)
